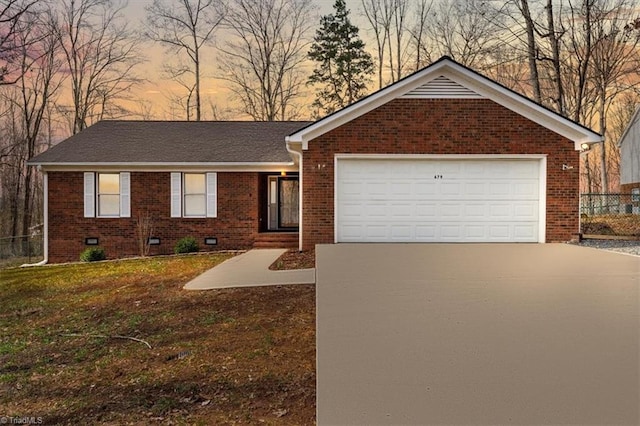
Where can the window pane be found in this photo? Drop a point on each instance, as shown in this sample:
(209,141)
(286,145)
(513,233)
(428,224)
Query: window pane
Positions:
(108,183)
(289,203)
(194,183)
(108,205)
(194,205)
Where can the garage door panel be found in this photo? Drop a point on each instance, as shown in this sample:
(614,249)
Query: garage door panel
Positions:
(426,210)
(437,200)
(475,211)
(450,211)
(499,232)
(400,210)
(426,233)
(402,232)
(377,232)
(401,188)
(425,188)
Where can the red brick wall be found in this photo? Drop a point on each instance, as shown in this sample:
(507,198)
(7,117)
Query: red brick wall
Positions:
(440,126)
(626,188)
(235,227)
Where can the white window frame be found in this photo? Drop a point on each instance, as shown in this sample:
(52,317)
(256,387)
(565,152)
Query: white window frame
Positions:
(635,195)
(92,198)
(177,195)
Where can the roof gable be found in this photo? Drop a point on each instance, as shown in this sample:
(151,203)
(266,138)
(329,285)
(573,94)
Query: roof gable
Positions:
(446,78)
(441,87)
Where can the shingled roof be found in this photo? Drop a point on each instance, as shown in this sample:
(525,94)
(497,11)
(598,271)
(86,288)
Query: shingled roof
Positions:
(171,142)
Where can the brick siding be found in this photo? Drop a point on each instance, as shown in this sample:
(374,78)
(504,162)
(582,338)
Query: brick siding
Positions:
(626,188)
(235,227)
(440,126)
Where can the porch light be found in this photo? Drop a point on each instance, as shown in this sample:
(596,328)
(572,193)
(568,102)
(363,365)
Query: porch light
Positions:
(153,241)
(91,241)
(283,173)
(585,147)
(211,241)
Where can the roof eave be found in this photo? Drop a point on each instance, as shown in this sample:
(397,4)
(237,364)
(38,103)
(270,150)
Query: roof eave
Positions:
(165,166)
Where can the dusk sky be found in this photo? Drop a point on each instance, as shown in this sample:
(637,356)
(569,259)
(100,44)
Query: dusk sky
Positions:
(154,94)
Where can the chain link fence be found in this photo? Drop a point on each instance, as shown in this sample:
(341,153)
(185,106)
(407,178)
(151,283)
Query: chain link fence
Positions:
(20,249)
(616,215)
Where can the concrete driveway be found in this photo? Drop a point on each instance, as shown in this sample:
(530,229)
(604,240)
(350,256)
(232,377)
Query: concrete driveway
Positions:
(477,334)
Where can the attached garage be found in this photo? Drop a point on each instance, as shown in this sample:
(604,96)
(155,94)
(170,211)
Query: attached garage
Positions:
(442,199)
(443,155)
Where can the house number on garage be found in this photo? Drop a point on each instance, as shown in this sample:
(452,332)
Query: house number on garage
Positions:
(437,177)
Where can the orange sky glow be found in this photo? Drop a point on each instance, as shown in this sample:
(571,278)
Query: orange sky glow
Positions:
(151,98)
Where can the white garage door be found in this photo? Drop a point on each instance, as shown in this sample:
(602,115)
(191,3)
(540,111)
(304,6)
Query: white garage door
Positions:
(427,200)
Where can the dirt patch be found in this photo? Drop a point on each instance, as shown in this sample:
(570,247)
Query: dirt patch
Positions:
(231,356)
(294,259)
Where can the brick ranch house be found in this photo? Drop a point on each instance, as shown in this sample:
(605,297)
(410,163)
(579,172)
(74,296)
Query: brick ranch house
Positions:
(443,155)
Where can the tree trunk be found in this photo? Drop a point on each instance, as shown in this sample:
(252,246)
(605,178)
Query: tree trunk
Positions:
(531,50)
(555,50)
(604,172)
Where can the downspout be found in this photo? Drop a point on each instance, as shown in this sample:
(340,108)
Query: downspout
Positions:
(45,226)
(300,202)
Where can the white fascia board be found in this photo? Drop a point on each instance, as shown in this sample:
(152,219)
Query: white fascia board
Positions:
(461,75)
(155,167)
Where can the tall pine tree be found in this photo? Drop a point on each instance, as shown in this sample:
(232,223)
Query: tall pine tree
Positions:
(343,67)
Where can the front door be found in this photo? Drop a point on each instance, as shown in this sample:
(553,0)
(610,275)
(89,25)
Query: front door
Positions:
(283,203)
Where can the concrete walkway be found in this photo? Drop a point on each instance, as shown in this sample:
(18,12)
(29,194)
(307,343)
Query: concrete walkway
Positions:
(250,269)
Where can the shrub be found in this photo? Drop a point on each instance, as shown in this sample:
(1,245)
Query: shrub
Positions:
(186,245)
(93,254)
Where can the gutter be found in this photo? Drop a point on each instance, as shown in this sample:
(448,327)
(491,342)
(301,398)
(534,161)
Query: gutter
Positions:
(45,227)
(300,202)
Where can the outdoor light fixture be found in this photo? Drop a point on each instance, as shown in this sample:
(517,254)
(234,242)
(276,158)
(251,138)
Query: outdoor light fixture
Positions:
(211,241)
(283,173)
(585,147)
(153,241)
(91,241)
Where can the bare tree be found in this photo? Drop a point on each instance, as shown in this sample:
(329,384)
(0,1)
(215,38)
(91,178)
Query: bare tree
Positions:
(28,116)
(464,30)
(185,27)
(263,56)
(532,49)
(422,48)
(373,11)
(600,62)
(100,55)
(615,60)
(39,82)
(389,22)
(11,13)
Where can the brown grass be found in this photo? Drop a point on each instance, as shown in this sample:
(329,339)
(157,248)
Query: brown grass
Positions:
(233,356)
(623,225)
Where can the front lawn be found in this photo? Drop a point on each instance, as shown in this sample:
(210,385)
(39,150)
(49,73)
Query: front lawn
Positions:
(233,356)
